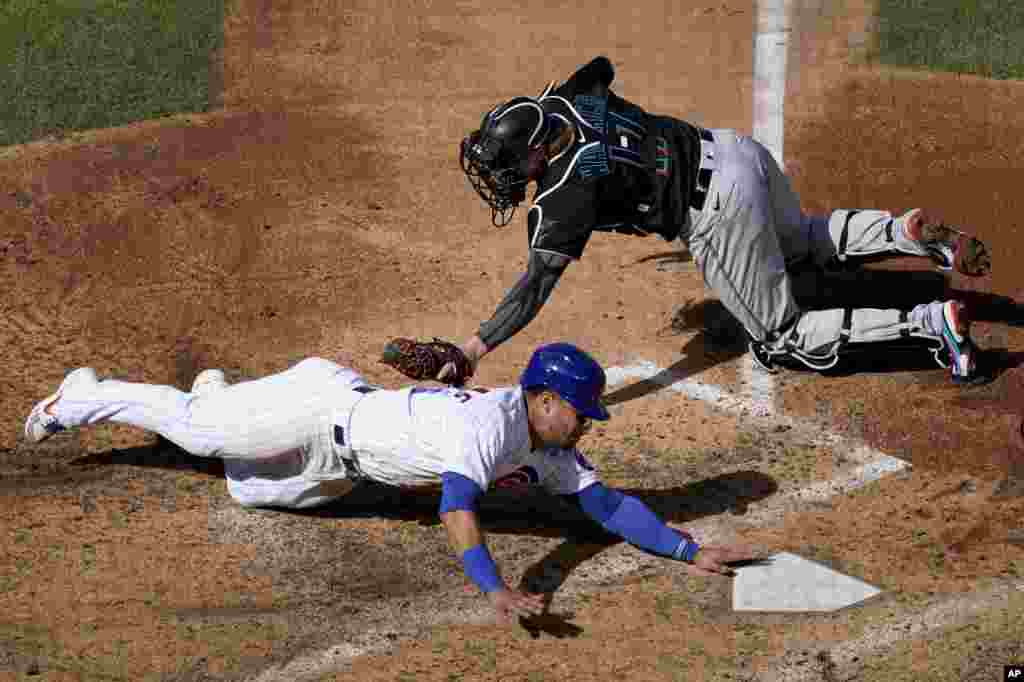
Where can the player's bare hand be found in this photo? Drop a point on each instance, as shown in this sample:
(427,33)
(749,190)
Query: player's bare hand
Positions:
(713,560)
(508,604)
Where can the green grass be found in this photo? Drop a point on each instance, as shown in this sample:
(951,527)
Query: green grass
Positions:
(77,64)
(981,37)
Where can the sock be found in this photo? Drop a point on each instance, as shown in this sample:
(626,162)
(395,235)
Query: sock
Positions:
(899,228)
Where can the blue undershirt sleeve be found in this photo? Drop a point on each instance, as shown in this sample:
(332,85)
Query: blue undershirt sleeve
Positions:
(633,521)
(458,492)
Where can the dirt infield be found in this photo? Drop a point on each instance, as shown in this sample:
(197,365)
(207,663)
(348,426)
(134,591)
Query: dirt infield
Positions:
(322,211)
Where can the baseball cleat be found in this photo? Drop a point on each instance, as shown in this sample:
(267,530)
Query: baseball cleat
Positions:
(40,424)
(947,246)
(761,357)
(956,330)
(209,380)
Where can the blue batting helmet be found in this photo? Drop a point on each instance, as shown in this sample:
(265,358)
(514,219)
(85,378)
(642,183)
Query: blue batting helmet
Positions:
(569,372)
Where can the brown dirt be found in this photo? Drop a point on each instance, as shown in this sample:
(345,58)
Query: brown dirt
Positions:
(321,211)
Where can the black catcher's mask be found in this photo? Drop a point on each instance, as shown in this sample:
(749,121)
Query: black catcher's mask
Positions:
(505,154)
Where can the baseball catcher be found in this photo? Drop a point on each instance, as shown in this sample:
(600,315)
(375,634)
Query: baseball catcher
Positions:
(306,436)
(603,164)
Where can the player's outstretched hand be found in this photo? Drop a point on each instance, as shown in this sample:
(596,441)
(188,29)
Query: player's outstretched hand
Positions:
(508,604)
(713,560)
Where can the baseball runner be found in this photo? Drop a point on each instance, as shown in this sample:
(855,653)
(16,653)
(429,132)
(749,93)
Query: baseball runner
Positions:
(306,436)
(603,164)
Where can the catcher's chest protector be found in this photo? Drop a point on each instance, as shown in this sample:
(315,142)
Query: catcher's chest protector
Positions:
(625,158)
(613,149)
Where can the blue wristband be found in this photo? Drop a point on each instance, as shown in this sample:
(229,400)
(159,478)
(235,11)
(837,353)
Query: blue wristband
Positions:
(686,550)
(481,569)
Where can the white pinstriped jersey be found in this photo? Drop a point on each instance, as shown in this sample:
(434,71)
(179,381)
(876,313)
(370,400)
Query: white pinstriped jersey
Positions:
(411,436)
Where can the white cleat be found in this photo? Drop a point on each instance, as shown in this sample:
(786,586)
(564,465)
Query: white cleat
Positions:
(40,424)
(209,380)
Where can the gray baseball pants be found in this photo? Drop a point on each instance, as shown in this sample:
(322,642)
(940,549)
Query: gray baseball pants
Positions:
(751,227)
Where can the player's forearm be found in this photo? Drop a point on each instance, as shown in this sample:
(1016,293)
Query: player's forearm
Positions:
(463,530)
(633,521)
(524,300)
(639,526)
(467,540)
(519,307)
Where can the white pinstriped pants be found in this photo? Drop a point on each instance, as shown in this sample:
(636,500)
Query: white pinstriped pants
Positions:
(261,428)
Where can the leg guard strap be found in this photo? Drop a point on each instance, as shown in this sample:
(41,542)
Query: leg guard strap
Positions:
(768,357)
(844,235)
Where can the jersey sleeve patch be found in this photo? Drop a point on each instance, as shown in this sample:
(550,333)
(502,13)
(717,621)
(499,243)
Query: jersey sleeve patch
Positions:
(523,477)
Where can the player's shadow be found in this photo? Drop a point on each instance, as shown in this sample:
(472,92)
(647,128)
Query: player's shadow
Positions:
(530,511)
(515,511)
(527,511)
(162,454)
(719,338)
(676,260)
(536,513)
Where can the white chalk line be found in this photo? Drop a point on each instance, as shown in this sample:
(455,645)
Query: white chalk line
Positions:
(771,53)
(867,465)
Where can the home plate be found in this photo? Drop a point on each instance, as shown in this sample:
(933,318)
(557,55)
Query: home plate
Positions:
(787,582)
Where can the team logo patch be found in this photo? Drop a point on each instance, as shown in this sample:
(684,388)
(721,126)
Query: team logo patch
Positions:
(523,477)
(661,156)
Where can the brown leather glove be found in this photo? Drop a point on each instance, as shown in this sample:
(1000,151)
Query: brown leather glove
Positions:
(424,360)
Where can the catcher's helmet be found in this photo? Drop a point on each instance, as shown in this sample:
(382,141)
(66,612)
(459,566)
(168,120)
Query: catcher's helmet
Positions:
(571,373)
(506,153)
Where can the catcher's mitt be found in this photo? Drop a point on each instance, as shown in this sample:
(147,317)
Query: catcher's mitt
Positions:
(423,360)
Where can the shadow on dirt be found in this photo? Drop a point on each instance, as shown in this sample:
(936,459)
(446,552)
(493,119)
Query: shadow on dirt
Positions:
(535,513)
(720,338)
(161,455)
(667,261)
(515,511)
(529,512)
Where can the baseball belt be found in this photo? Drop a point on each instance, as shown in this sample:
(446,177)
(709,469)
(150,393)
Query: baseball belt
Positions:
(326,460)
